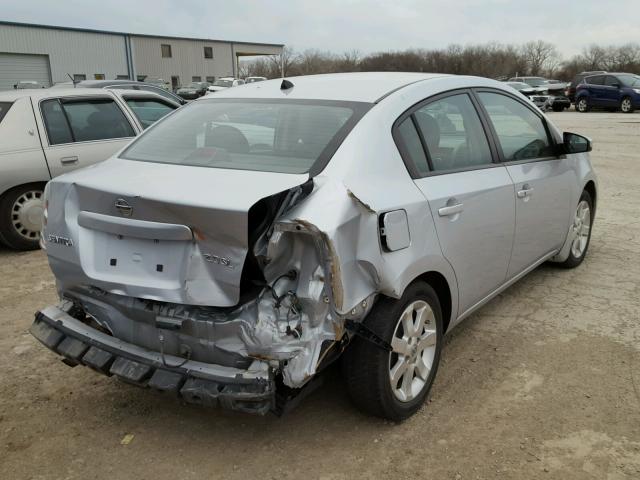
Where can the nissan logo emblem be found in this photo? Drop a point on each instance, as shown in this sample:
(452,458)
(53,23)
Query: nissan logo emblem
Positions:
(123,207)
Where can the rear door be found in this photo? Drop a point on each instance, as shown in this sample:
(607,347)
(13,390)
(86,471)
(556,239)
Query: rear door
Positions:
(542,180)
(471,197)
(611,91)
(595,86)
(80,131)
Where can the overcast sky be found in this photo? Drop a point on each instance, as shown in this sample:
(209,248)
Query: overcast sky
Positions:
(339,25)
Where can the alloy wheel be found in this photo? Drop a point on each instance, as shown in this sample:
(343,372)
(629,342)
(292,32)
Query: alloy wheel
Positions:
(26,214)
(582,105)
(414,348)
(625,106)
(581,227)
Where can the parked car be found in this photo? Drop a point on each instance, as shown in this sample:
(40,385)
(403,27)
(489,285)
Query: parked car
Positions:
(44,133)
(160,82)
(193,90)
(359,216)
(554,88)
(27,84)
(611,91)
(124,85)
(540,97)
(570,91)
(254,79)
(224,83)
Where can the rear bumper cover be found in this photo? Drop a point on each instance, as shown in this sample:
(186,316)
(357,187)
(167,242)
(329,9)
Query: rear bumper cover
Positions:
(250,391)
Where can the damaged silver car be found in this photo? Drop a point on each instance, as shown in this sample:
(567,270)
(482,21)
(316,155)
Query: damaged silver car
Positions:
(246,242)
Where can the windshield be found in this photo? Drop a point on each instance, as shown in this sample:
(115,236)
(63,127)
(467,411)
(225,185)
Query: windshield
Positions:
(518,85)
(535,81)
(629,80)
(286,136)
(194,85)
(223,83)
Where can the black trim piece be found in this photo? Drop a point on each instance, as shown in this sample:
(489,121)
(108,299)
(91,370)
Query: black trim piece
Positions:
(423,142)
(45,120)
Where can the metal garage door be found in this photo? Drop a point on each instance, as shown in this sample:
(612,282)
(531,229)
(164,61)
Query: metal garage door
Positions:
(15,67)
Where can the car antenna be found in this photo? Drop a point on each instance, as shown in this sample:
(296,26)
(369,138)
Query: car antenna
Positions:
(286,84)
(72,80)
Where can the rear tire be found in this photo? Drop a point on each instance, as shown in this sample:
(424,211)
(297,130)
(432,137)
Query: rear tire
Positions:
(21,217)
(626,105)
(580,231)
(394,385)
(582,105)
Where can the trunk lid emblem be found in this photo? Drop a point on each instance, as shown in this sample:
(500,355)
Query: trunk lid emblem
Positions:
(123,207)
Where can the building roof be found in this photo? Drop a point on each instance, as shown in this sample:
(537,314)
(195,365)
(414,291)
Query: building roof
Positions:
(356,87)
(110,32)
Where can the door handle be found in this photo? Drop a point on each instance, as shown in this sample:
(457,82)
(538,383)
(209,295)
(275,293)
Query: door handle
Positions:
(525,192)
(69,160)
(450,210)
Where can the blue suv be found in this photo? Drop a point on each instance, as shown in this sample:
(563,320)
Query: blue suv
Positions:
(611,91)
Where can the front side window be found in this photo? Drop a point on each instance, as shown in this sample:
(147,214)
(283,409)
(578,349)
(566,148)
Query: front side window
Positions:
(610,81)
(521,133)
(148,111)
(208,52)
(4,108)
(165,50)
(276,136)
(84,120)
(453,134)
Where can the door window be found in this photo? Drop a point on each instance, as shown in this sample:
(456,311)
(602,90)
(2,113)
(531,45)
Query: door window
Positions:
(610,81)
(595,80)
(4,108)
(413,146)
(84,120)
(55,122)
(521,133)
(453,134)
(148,111)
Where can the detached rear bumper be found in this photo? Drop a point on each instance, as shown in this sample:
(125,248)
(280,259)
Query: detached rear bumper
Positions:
(250,391)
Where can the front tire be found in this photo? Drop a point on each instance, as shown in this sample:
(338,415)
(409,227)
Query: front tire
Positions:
(626,105)
(21,217)
(394,385)
(582,105)
(580,231)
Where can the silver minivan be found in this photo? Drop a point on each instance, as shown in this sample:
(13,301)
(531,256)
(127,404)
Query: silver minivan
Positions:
(243,244)
(45,133)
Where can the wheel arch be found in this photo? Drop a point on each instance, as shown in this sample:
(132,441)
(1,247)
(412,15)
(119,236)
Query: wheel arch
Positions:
(590,187)
(41,183)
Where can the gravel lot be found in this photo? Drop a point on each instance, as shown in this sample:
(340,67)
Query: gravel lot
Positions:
(543,382)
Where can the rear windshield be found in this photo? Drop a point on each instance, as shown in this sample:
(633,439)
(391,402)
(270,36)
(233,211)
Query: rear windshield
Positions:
(287,136)
(4,108)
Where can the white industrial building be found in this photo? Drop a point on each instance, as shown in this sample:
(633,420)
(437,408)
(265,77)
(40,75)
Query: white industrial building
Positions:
(51,54)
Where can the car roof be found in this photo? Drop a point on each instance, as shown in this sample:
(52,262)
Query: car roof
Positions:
(355,87)
(13,95)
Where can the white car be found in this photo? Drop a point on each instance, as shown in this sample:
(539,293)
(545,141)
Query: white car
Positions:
(48,132)
(224,83)
(254,79)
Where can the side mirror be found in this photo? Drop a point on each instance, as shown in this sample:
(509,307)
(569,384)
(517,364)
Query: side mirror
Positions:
(574,143)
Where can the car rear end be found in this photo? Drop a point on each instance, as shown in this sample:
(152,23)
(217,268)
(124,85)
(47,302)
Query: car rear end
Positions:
(174,266)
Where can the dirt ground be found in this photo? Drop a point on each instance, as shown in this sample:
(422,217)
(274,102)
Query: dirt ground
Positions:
(543,382)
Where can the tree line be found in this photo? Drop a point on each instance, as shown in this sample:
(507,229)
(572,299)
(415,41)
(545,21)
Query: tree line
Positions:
(493,60)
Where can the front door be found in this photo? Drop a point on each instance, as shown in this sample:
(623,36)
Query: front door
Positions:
(81,131)
(542,180)
(470,196)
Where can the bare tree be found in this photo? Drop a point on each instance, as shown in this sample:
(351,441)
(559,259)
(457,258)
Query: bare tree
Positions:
(540,57)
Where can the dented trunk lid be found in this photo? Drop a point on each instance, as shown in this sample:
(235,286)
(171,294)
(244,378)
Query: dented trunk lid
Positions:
(164,232)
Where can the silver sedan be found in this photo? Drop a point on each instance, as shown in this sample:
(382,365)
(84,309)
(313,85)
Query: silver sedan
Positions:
(244,243)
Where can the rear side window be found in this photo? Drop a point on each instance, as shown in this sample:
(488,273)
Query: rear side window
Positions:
(96,120)
(84,120)
(453,134)
(413,146)
(148,111)
(521,133)
(4,108)
(595,80)
(55,121)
